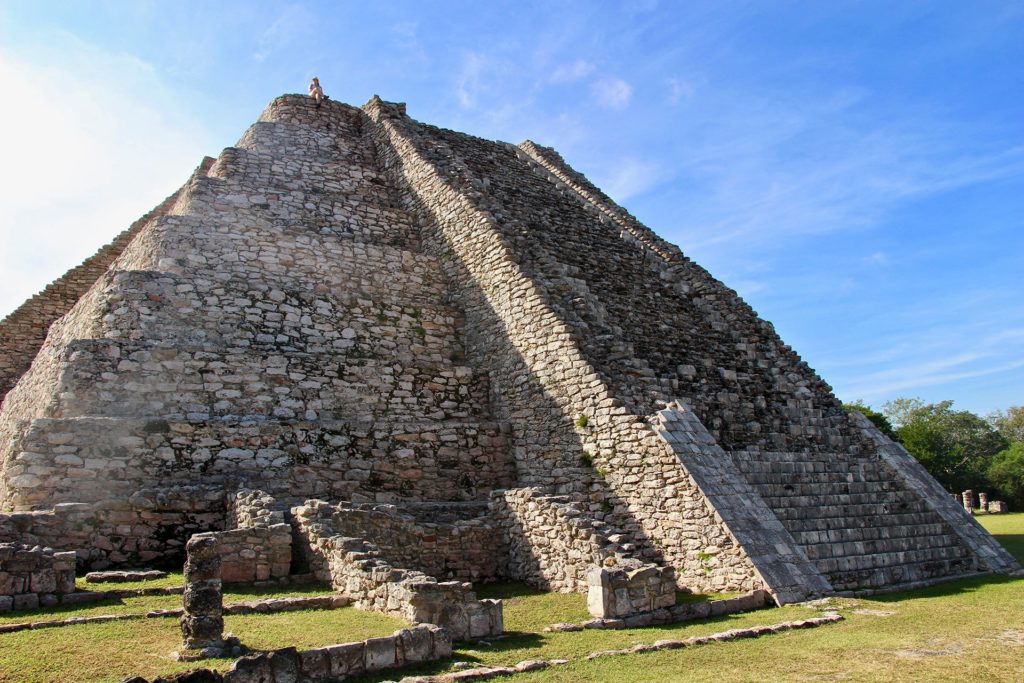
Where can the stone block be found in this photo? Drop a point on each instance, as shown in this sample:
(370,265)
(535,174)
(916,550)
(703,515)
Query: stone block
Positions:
(6,603)
(284,665)
(380,653)
(250,669)
(417,645)
(347,659)
(26,601)
(441,640)
(315,664)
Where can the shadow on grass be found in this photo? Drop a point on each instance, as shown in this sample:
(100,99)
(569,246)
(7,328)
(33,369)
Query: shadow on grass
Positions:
(463,652)
(504,590)
(57,612)
(1014,544)
(948,588)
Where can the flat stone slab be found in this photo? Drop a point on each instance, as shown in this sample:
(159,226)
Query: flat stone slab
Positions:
(123,577)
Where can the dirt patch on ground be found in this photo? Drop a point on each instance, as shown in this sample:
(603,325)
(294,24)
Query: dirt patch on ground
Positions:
(1011,636)
(933,648)
(874,612)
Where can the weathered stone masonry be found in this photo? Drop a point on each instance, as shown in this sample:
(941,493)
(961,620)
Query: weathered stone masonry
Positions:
(455,358)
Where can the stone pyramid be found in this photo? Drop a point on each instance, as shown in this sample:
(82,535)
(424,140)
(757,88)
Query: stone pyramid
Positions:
(428,328)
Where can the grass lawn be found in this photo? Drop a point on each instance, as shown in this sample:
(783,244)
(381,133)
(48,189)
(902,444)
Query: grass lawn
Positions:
(964,630)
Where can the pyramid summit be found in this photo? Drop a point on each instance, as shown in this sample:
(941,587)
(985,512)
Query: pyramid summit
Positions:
(356,335)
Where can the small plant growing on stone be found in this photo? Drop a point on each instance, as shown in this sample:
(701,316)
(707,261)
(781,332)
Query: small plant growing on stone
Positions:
(420,331)
(602,471)
(586,459)
(582,421)
(455,356)
(606,506)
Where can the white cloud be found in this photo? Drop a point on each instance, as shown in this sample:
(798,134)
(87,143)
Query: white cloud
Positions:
(93,143)
(292,24)
(613,93)
(678,91)
(629,178)
(879,258)
(572,71)
(468,87)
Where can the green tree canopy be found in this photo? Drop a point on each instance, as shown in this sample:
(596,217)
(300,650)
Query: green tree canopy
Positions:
(1009,423)
(1006,473)
(955,446)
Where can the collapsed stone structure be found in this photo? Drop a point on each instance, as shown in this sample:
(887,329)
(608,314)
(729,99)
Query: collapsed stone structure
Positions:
(403,337)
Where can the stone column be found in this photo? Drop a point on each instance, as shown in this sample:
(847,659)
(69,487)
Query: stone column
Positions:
(969,501)
(983,502)
(202,624)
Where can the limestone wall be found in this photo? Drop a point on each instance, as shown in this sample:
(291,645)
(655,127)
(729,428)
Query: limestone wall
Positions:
(357,569)
(149,529)
(571,431)
(469,549)
(553,541)
(33,577)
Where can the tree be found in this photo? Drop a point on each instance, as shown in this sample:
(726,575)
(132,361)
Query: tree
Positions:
(1010,423)
(877,418)
(1006,473)
(955,446)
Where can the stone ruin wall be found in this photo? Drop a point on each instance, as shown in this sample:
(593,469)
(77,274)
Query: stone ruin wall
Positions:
(203,306)
(359,569)
(469,549)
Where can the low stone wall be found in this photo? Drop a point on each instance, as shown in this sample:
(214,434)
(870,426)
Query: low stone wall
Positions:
(150,528)
(466,549)
(254,554)
(33,577)
(630,588)
(356,568)
(552,540)
(251,508)
(260,548)
(422,643)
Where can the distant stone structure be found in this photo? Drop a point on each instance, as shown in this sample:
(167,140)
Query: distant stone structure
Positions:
(407,359)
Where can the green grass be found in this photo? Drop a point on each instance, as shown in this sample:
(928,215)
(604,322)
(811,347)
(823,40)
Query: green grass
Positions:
(144,603)
(112,651)
(972,629)
(172,579)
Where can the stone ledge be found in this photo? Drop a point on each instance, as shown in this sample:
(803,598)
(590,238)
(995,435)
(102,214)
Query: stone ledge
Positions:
(753,600)
(251,607)
(410,646)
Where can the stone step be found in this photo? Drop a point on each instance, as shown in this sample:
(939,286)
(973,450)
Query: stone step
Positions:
(211,251)
(804,488)
(868,533)
(91,459)
(828,504)
(288,141)
(107,377)
(848,516)
(893,575)
(883,547)
(236,313)
(318,212)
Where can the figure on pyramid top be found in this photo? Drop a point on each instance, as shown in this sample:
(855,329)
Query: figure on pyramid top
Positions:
(317,92)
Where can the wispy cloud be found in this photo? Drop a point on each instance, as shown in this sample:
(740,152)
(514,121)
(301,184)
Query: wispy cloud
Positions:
(678,90)
(468,85)
(771,165)
(612,93)
(629,178)
(572,71)
(293,23)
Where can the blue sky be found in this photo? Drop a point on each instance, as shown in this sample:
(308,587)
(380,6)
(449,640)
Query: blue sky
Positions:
(855,170)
